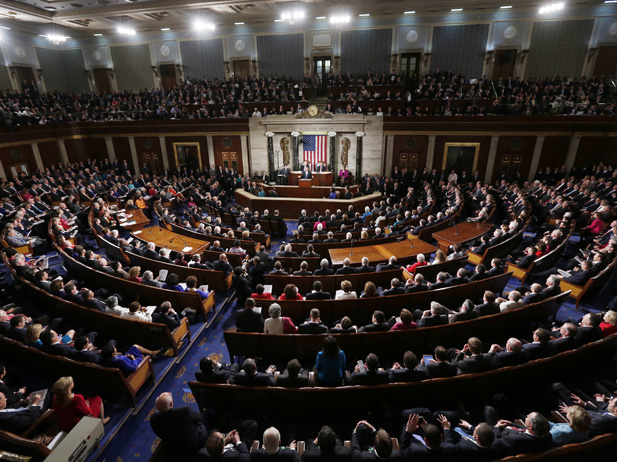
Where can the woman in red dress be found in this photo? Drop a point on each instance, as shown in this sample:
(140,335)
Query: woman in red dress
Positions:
(70,408)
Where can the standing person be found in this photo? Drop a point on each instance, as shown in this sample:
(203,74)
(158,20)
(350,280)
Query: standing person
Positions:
(330,363)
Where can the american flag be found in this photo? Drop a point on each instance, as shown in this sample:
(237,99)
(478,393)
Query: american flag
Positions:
(315,149)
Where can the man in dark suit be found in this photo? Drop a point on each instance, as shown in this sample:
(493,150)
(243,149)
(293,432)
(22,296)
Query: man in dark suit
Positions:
(439,367)
(442,281)
(396,288)
(534,438)
(365,435)
(53,344)
(581,277)
(534,296)
(306,173)
(249,320)
(430,446)
(150,252)
(278,269)
(371,375)
(480,273)
(272,450)
(292,378)
(477,446)
(390,265)
(346,269)
(181,428)
(436,316)
(330,239)
(489,306)
(470,359)
(326,448)
(529,257)
(378,324)
(324,268)
(17,329)
(18,420)
(365,268)
(313,325)
(589,329)
(223,265)
(407,372)
(211,371)
(303,271)
(465,312)
(512,355)
(566,339)
(539,347)
(460,278)
(250,377)
(415,285)
(317,293)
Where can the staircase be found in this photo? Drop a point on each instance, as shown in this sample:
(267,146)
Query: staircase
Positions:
(320,102)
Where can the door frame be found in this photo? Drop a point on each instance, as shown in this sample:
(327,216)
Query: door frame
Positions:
(240,58)
(160,73)
(516,61)
(109,78)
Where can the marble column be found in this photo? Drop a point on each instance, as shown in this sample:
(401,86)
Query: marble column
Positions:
(332,165)
(430,152)
(492,154)
(271,172)
(535,160)
(296,147)
(134,154)
(164,153)
(572,150)
(37,156)
(64,157)
(359,136)
(111,152)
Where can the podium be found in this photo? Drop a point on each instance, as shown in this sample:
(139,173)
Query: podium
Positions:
(305,183)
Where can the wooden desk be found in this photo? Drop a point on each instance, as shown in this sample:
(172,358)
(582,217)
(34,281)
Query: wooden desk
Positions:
(319,178)
(461,233)
(163,238)
(403,251)
(141,220)
(317,192)
(290,206)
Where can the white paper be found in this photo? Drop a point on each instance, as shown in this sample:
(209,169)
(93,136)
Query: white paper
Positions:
(163,274)
(182,284)
(129,240)
(257,309)
(268,288)
(137,232)
(187,249)
(204,288)
(150,309)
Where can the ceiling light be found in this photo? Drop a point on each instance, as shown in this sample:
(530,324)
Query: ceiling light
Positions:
(456,9)
(165,28)
(278,20)
(292,15)
(410,12)
(320,17)
(340,19)
(239,23)
(364,15)
(125,31)
(551,8)
(201,25)
(98,35)
(4,27)
(505,7)
(610,1)
(55,38)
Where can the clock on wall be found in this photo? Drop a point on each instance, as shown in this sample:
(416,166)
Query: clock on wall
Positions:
(510,32)
(312,110)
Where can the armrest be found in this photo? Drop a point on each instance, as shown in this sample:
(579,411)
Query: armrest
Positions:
(254,445)
(300,446)
(347,444)
(558,417)
(45,418)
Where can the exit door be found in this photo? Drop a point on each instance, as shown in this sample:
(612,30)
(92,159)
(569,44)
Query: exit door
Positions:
(322,66)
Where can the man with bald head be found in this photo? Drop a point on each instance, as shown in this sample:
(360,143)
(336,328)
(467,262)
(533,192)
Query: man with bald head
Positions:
(182,428)
(512,355)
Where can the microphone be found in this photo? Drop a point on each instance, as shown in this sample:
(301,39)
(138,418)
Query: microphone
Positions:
(411,240)
(172,239)
(351,249)
(456,229)
(151,228)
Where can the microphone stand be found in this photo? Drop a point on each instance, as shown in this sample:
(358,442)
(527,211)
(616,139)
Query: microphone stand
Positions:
(456,229)
(351,249)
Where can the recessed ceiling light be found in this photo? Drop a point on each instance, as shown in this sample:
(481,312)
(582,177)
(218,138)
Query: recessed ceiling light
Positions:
(98,35)
(320,17)
(239,23)
(364,15)
(126,30)
(610,1)
(505,7)
(552,7)
(456,9)
(410,12)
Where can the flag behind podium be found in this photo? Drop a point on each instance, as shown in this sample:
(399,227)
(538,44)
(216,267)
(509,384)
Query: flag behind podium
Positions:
(315,149)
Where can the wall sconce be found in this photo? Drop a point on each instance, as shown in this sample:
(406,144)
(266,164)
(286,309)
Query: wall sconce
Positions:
(155,71)
(489,55)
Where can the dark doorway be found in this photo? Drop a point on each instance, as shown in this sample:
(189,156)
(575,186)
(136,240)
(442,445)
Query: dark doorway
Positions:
(101,80)
(168,76)
(25,76)
(505,64)
(410,66)
(322,66)
(242,68)
(606,62)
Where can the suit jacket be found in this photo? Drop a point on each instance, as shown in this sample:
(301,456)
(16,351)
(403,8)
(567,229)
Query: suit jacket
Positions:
(313,453)
(526,261)
(536,350)
(602,423)
(60,349)
(532,298)
(383,327)
(17,333)
(412,449)
(469,450)
(324,272)
(394,291)
(562,344)
(365,269)
(387,266)
(218,375)
(369,378)
(249,321)
(440,369)
(359,455)
(222,266)
(406,375)
(505,358)
(579,278)
(18,421)
(474,363)
(259,379)
(319,296)
(238,454)
(312,328)
(346,270)
(486,309)
(286,381)
(286,455)
(516,442)
(428,321)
